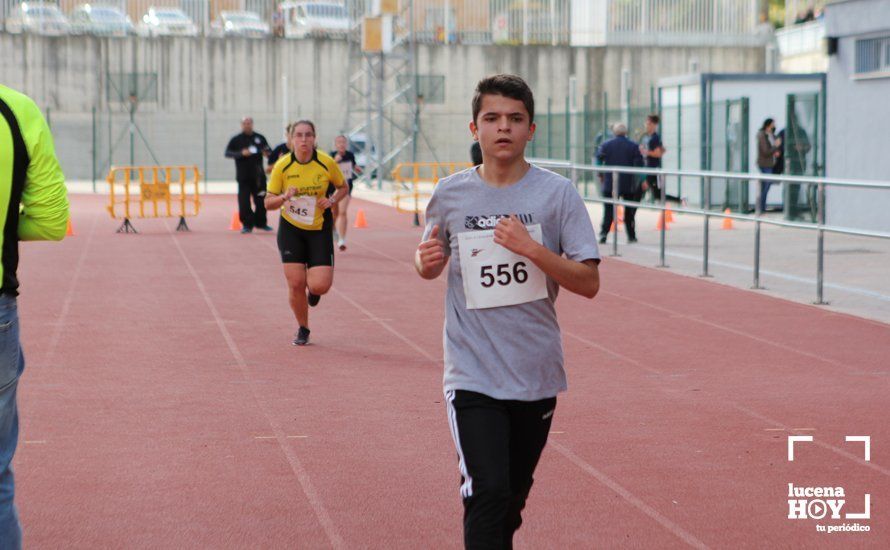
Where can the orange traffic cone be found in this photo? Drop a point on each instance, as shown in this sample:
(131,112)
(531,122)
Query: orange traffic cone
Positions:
(727,222)
(669,216)
(659,225)
(236,222)
(360,221)
(70,231)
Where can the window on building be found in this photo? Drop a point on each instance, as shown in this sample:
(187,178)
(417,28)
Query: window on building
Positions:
(873,55)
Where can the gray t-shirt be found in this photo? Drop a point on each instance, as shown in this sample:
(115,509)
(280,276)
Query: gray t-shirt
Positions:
(508,352)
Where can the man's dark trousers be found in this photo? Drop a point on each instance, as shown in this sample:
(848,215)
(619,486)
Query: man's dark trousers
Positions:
(630,214)
(255,188)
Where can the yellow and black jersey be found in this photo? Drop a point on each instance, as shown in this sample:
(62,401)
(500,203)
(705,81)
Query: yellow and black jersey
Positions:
(311,181)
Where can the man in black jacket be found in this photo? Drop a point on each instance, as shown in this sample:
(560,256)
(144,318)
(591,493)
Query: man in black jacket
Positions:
(620,151)
(248,149)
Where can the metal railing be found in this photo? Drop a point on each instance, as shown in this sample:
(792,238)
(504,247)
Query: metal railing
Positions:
(820,227)
(801,39)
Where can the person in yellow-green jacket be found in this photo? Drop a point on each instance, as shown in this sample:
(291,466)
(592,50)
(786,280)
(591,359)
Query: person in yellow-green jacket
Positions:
(33,207)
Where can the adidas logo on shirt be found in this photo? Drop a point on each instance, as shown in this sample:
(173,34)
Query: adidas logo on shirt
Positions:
(489,221)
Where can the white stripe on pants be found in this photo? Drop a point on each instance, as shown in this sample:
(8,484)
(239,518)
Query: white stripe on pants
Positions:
(466,489)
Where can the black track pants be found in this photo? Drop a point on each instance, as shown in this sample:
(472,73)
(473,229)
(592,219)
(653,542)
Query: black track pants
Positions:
(498,444)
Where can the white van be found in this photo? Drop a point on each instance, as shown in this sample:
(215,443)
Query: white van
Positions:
(314,19)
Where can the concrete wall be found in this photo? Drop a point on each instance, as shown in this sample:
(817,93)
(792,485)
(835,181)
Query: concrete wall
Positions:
(232,77)
(858,115)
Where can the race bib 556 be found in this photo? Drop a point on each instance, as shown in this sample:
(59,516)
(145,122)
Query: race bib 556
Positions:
(495,277)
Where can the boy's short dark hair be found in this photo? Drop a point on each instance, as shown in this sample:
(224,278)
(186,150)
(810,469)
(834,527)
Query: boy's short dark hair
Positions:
(653,118)
(507,85)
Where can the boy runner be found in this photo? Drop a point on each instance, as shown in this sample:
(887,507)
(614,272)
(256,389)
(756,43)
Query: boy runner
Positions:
(515,233)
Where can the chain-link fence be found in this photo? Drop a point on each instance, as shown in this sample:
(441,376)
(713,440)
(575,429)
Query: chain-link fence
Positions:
(88,144)
(518,22)
(715,136)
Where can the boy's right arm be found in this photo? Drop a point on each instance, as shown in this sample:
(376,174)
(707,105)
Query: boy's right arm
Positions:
(430,258)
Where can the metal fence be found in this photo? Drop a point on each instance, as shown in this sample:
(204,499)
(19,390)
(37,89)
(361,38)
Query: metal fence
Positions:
(722,140)
(519,22)
(201,12)
(801,39)
(576,172)
(90,143)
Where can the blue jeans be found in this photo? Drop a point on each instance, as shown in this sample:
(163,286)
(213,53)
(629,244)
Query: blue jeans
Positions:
(12,363)
(764,189)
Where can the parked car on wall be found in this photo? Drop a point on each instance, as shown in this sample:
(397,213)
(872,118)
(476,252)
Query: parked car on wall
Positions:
(167,22)
(37,18)
(240,23)
(314,19)
(100,20)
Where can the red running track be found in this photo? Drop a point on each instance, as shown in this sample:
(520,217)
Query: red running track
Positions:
(163,405)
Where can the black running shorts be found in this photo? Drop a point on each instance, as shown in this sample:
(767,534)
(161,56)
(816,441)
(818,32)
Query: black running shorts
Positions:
(299,246)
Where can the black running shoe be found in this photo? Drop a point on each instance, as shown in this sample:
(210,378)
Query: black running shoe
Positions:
(302,337)
(313,299)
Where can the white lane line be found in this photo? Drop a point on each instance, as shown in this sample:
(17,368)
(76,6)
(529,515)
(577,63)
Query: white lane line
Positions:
(379,320)
(741,333)
(624,493)
(69,297)
(296,466)
(628,497)
(753,414)
(413,345)
(836,450)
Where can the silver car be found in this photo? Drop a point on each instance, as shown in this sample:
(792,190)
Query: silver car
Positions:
(240,23)
(304,19)
(37,18)
(100,20)
(167,22)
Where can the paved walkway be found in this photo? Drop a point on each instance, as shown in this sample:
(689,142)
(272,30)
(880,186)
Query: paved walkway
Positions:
(857,269)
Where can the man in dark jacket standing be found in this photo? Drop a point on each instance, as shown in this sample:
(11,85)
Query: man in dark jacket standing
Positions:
(620,151)
(248,149)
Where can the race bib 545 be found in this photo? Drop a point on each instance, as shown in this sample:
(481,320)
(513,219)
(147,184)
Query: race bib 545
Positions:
(301,209)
